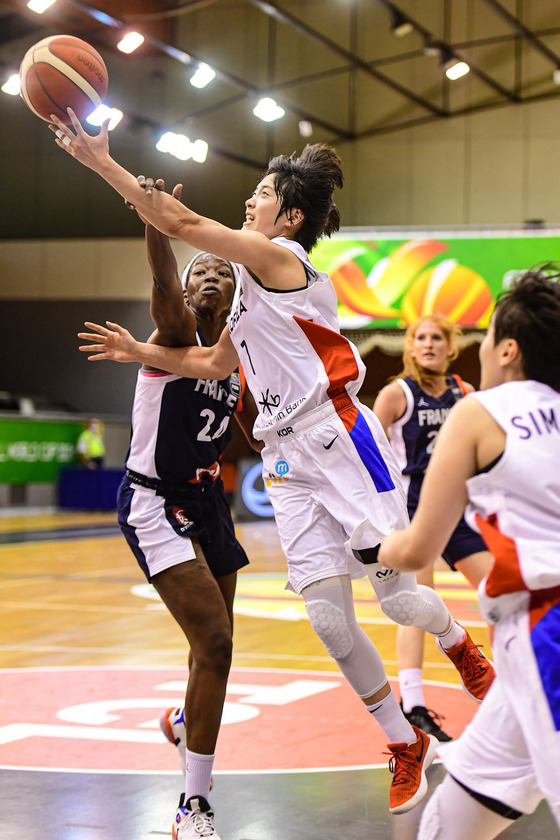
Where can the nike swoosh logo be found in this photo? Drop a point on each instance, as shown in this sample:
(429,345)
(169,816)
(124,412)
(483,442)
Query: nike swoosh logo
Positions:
(420,757)
(328,445)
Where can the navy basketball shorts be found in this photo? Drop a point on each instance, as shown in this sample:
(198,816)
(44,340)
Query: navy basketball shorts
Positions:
(160,531)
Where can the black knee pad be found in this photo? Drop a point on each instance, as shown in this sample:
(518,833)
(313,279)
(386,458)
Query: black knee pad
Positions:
(367,556)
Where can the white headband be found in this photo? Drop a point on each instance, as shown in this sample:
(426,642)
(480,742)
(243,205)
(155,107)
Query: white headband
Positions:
(189,265)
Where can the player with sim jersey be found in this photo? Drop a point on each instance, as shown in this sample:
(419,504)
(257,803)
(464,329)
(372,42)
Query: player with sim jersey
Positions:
(498,454)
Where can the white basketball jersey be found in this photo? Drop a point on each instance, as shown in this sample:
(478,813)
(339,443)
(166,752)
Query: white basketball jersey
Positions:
(516,504)
(290,346)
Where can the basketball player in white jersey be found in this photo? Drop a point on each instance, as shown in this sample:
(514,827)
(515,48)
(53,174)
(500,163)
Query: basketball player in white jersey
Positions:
(498,453)
(333,480)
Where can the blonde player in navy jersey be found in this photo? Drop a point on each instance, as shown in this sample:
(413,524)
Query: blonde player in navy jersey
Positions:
(498,453)
(412,409)
(172,507)
(337,487)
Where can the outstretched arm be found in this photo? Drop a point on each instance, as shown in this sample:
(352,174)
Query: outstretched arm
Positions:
(276,267)
(116,343)
(175,322)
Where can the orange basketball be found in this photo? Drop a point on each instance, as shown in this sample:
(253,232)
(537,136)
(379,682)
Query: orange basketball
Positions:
(60,72)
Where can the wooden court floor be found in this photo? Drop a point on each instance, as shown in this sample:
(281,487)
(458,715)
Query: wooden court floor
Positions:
(89,657)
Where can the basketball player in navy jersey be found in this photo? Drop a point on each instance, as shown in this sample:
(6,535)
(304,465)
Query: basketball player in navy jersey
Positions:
(336,487)
(412,409)
(172,506)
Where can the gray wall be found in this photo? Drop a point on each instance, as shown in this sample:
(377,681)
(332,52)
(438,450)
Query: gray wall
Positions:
(38,349)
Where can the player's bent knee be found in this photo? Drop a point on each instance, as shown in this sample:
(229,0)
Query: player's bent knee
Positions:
(407,608)
(329,622)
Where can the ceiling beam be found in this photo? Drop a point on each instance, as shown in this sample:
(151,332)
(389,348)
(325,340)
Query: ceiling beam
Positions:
(272,10)
(522,30)
(429,37)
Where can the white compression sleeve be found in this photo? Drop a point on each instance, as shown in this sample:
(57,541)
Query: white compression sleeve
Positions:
(330,607)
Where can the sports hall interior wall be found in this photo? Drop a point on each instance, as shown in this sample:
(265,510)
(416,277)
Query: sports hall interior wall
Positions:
(71,251)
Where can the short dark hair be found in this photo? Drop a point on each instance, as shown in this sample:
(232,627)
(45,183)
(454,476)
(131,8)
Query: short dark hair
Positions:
(306,182)
(529,312)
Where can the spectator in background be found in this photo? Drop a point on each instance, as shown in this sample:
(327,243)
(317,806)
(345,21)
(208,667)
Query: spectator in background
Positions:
(90,446)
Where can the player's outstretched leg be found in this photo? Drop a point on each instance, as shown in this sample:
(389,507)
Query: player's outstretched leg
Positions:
(330,607)
(409,603)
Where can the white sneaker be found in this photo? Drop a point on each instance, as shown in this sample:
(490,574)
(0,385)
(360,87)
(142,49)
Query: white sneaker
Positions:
(194,819)
(172,724)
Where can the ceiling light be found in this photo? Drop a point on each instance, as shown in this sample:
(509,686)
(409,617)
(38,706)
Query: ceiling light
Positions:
(400,26)
(181,147)
(267,110)
(431,47)
(130,42)
(12,85)
(40,6)
(305,128)
(199,151)
(456,69)
(103,112)
(556,76)
(203,75)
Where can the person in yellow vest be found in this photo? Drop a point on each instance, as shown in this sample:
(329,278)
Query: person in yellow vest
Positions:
(90,446)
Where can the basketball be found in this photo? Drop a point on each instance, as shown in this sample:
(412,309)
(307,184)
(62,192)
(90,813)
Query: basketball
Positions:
(60,72)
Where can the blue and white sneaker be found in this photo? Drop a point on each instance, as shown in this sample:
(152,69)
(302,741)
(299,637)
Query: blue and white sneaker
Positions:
(194,819)
(172,724)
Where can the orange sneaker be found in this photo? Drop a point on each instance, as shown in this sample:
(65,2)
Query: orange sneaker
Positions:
(408,765)
(476,672)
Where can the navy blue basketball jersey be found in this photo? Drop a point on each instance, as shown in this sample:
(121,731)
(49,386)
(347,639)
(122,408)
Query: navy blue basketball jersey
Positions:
(181,427)
(413,436)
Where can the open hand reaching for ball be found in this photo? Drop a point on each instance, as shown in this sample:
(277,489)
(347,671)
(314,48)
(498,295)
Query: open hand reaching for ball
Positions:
(90,150)
(110,342)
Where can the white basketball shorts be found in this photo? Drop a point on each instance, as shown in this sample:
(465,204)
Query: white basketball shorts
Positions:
(335,487)
(511,749)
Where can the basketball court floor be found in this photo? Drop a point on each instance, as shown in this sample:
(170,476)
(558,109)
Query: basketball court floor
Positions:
(89,658)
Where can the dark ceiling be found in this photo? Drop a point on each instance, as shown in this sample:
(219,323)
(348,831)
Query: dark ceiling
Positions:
(336,64)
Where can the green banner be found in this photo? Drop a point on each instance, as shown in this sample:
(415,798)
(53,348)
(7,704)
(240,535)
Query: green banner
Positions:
(383,279)
(35,450)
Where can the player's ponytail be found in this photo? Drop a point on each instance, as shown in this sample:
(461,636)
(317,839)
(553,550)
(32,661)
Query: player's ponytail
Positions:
(333,221)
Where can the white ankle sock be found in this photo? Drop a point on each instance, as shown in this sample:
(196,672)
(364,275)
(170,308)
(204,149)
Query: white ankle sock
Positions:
(197,774)
(390,718)
(452,636)
(412,694)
